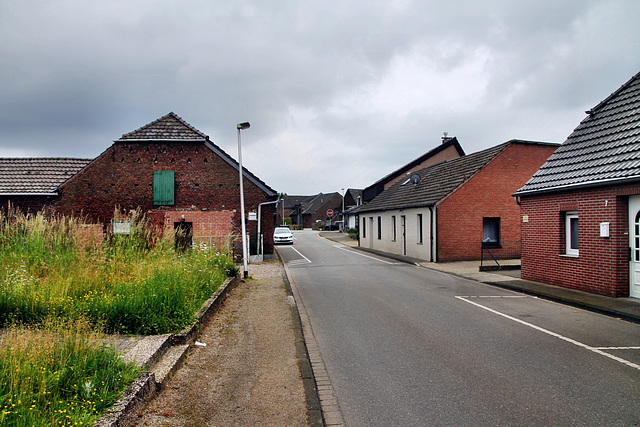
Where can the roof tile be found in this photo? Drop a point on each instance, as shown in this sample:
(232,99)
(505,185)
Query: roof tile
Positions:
(37,175)
(604,146)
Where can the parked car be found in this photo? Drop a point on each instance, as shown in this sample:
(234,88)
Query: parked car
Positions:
(282,235)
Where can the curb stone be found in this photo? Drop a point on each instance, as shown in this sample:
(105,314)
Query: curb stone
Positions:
(124,412)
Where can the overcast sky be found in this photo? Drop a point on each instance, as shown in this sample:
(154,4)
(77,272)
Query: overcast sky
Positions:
(339,94)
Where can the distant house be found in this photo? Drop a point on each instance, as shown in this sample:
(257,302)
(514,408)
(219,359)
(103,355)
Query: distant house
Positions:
(314,212)
(449,149)
(581,210)
(174,174)
(446,211)
(290,207)
(352,200)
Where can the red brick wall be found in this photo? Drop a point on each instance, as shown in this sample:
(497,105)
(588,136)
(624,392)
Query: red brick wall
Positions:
(488,194)
(204,183)
(602,266)
(27,204)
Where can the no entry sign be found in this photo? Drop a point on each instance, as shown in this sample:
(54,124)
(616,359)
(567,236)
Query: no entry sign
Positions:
(329,212)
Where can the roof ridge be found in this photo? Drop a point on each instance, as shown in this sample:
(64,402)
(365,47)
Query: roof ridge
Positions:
(150,127)
(613,94)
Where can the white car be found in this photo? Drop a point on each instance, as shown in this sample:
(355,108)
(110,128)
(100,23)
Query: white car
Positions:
(282,235)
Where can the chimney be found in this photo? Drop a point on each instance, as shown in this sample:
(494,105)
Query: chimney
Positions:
(446,138)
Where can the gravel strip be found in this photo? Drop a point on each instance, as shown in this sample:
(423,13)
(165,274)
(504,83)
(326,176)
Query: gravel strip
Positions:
(248,372)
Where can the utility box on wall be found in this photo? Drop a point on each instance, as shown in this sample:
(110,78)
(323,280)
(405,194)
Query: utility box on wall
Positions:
(604,229)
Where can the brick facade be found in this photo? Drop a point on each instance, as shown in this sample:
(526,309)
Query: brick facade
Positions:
(27,204)
(602,266)
(206,188)
(488,194)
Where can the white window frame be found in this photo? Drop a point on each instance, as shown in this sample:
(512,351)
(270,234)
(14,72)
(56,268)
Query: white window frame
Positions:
(568,216)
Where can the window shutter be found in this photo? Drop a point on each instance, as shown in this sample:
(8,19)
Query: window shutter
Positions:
(163,188)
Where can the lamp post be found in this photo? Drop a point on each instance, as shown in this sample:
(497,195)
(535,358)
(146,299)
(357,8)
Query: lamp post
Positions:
(242,126)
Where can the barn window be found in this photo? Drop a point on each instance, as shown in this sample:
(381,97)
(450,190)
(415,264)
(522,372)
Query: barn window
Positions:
(163,188)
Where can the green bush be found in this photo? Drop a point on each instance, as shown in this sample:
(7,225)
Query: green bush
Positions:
(353,233)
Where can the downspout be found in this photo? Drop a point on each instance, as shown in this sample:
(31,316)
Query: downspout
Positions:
(431,234)
(260,244)
(515,196)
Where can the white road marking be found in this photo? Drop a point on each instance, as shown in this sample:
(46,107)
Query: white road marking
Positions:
(596,350)
(366,256)
(495,296)
(304,259)
(617,348)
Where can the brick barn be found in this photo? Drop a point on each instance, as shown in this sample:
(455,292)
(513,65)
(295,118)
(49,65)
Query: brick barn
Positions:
(174,174)
(446,211)
(581,210)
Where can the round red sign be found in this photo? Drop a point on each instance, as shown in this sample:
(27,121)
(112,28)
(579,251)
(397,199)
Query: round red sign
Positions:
(329,212)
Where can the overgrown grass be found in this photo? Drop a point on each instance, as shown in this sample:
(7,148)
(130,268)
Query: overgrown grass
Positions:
(133,284)
(61,374)
(61,286)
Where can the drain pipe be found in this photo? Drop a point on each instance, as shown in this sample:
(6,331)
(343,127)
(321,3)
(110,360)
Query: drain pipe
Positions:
(431,233)
(260,244)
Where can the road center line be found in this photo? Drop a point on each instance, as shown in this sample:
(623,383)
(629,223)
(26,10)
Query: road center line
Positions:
(553,334)
(366,256)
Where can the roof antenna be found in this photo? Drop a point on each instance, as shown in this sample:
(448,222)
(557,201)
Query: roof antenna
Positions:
(446,138)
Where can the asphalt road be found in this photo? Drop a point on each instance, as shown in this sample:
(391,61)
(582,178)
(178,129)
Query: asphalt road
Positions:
(405,346)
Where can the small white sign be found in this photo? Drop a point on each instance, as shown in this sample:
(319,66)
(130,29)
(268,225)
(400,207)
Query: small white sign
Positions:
(253,216)
(604,229)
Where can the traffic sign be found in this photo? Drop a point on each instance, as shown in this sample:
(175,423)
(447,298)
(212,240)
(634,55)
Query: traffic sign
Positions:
(329,212)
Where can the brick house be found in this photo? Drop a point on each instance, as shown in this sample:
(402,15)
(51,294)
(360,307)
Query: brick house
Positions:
(313,211)
(581,210)
(178,177)
(449,149)
(446,211)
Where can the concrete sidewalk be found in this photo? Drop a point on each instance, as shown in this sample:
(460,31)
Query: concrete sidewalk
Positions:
(622,308)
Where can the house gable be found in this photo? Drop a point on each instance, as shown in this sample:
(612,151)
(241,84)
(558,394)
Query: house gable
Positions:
(449,149)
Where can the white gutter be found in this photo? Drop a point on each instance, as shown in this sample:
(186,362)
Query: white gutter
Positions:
(594,183)
(28,194)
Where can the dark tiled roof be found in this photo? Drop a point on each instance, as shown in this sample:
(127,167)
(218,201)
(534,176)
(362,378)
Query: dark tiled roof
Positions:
(436,182)
(605,147)
(169,127)
(377,187)
(37,175)
(311,206)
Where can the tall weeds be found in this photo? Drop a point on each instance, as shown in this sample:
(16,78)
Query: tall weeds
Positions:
(134,283)
(61,374)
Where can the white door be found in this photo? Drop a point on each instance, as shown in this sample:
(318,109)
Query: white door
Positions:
(634,244)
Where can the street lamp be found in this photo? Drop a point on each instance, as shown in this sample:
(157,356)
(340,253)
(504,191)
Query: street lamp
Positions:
(242,126)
